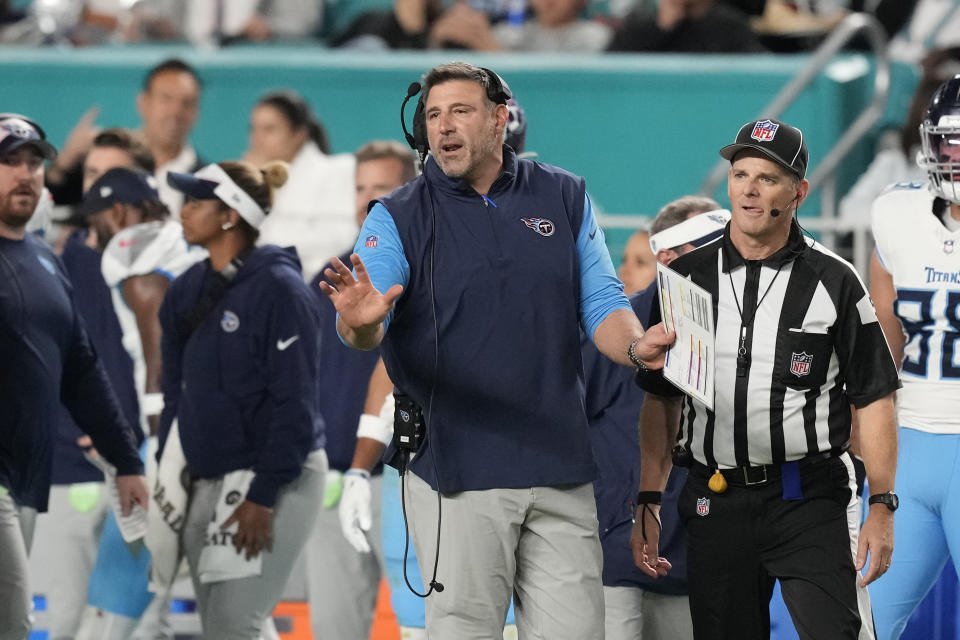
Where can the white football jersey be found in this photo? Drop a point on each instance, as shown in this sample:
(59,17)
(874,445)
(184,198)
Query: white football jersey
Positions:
(150,247)
(923,257)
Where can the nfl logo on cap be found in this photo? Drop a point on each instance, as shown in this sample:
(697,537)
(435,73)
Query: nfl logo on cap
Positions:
(764,131)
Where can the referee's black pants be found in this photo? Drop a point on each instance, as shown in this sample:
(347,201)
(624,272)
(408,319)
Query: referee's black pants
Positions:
(740,541)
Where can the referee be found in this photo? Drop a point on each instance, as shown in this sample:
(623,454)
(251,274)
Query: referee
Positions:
(797,342)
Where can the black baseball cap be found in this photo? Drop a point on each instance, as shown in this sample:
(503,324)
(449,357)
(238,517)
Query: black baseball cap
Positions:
(776,140)
(127,186)
(17,131)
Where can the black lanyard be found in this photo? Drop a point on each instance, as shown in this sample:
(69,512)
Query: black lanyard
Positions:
(212,292)
(743,356)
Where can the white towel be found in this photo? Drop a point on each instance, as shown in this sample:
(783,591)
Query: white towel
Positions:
(168,511)
(219,559)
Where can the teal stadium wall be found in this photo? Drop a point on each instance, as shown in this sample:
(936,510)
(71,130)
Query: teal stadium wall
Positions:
(642,129)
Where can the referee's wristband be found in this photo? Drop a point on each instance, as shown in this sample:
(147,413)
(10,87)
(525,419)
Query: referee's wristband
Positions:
(649,497)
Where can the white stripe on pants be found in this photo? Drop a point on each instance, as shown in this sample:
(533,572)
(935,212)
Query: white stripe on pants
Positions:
(540,543)
(236,609)
(14,582)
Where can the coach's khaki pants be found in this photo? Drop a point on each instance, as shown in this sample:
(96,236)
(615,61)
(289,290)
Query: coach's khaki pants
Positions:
(539,543)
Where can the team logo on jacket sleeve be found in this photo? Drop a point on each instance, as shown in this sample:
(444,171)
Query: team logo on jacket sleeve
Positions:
(703,506)
(541,225)
(764,131)
(229,322)
(47,265)
(800,363)
(372,241)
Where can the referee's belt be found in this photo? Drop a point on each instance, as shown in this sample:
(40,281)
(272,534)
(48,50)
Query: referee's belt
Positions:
(751,476)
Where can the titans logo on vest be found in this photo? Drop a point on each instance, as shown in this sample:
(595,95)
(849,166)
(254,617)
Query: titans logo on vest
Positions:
(541,225)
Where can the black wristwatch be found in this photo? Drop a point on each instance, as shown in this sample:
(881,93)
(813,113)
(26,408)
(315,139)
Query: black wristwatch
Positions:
(889,499)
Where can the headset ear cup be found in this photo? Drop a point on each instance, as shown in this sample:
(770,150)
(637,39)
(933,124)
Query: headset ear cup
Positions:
(420,140)
(497,92)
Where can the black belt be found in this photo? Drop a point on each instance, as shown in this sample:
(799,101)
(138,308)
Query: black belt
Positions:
(750,476)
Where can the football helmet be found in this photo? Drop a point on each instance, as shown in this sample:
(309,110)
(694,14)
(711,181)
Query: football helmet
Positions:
(940,141)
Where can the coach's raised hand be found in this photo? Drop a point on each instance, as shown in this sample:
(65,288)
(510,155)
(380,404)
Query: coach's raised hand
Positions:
(362,309)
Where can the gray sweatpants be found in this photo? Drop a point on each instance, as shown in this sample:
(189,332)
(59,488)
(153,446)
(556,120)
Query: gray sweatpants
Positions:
(236,609)
(14,583)
(342,584)
(540,543)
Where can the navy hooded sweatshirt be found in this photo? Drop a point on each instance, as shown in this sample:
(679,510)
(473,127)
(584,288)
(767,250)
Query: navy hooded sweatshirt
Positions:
(243,384)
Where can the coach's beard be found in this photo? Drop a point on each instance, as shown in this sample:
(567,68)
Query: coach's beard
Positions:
(472,155)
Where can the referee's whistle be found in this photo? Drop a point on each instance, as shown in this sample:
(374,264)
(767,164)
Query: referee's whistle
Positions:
(717,483)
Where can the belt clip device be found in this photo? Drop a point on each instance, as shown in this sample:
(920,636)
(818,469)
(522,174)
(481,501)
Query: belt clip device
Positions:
(407,426)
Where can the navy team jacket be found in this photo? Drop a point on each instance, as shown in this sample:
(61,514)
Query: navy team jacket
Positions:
(243,385)
(47,359)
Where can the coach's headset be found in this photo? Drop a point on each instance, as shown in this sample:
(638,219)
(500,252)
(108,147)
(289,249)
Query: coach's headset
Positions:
(497,92)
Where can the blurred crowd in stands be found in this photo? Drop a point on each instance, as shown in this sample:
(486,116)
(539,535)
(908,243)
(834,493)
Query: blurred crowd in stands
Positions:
(688,26)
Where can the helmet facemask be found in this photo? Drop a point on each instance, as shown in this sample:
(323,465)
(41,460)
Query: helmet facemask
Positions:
(940,156)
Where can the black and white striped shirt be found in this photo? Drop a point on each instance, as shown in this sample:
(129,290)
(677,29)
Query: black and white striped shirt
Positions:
(813,347)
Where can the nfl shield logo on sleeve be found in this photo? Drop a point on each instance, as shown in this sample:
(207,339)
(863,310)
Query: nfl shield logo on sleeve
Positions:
(703,506)
(800,364)
(372,241)
(764,131)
